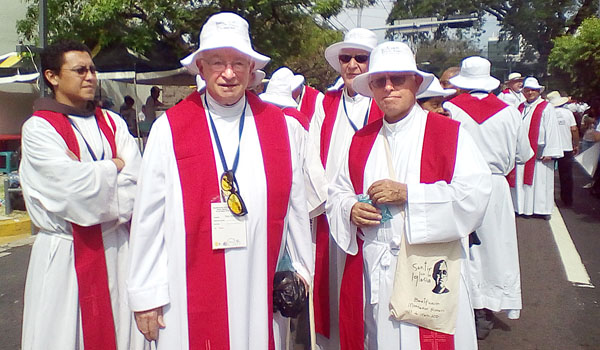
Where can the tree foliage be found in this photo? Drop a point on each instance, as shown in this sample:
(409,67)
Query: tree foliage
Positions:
(575,61)
(436,55)
(536,21)
(285,30)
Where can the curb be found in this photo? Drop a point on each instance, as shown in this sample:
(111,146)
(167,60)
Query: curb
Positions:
(15,227)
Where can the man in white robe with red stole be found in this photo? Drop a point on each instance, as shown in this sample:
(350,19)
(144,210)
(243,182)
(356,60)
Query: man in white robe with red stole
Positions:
(335,121)
(532,183)
(443,186)
(78,172)
(513,94)
(220,198)
(496,128)
(306,97)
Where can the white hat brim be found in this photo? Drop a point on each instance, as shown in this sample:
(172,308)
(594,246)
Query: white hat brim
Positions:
(189,62)
(559,101)
(332,53)
(360,83)
(278,100)
(488,83)
(430,93)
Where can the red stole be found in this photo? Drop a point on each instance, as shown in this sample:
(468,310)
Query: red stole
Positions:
(205,268)
(437,164)
(479,110)
(309,101)
(534,133)
(299,116)
(90,262)
(331,103)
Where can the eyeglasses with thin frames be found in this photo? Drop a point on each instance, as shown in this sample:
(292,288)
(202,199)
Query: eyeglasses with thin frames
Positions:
(221,66)
(357,58)
(396,80)
(230,193)
(83,70)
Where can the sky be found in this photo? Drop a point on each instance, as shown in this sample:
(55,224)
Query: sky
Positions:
(375,17)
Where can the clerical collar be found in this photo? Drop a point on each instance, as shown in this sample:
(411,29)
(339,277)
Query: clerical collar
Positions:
(219,110)
(402,123)
(356,98)
(50,104)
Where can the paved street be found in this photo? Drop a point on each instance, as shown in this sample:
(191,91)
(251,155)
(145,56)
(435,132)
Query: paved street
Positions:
(556,314)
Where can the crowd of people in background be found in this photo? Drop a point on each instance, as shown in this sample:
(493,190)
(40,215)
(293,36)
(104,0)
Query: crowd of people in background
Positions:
(389,200)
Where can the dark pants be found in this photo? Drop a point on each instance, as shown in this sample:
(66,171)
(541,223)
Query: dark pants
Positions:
(565,173)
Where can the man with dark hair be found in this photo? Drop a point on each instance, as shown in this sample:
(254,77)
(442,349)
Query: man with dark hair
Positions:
(79,173)
(128,114)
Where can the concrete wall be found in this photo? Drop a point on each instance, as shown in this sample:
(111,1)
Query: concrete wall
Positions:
(15,108)
(11,11)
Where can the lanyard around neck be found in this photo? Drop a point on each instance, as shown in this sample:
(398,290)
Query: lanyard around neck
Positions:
(218,142)
(85,141)
(350,120)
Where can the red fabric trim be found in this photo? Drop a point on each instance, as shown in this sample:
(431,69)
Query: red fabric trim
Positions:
(278,171)
(331,103)
(479,110)
(322,309)
(534,133)
(440,142)
(90,261)
(309,101)
(506,91)
(299,116)
(206,276)
(437,163)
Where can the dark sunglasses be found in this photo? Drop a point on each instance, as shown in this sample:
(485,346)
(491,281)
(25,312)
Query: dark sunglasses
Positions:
(396,80)
(83,70)
(358,58)
(231,194)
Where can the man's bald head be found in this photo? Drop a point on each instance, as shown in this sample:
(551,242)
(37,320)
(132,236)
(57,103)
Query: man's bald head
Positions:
(449,73)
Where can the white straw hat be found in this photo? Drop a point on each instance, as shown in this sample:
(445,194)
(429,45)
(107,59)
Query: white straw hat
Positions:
(390,56)
(475,75)
(357,38)
(279,91)
(556,99)
(435,89)
(532,83)
(225,29)
(514,76)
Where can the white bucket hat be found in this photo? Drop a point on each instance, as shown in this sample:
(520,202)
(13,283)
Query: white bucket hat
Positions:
(297,81)
(556,99)
(257,77)
(224,29)
(475,75)
(279,90)
(390,57)
(514,76)
(532,83)
(200,83)
(435,89)
(357,38)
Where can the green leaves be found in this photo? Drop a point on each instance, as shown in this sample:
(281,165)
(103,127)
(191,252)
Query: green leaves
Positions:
(575,60)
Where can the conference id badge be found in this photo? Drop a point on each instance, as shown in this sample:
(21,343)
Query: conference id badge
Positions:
(228,230)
